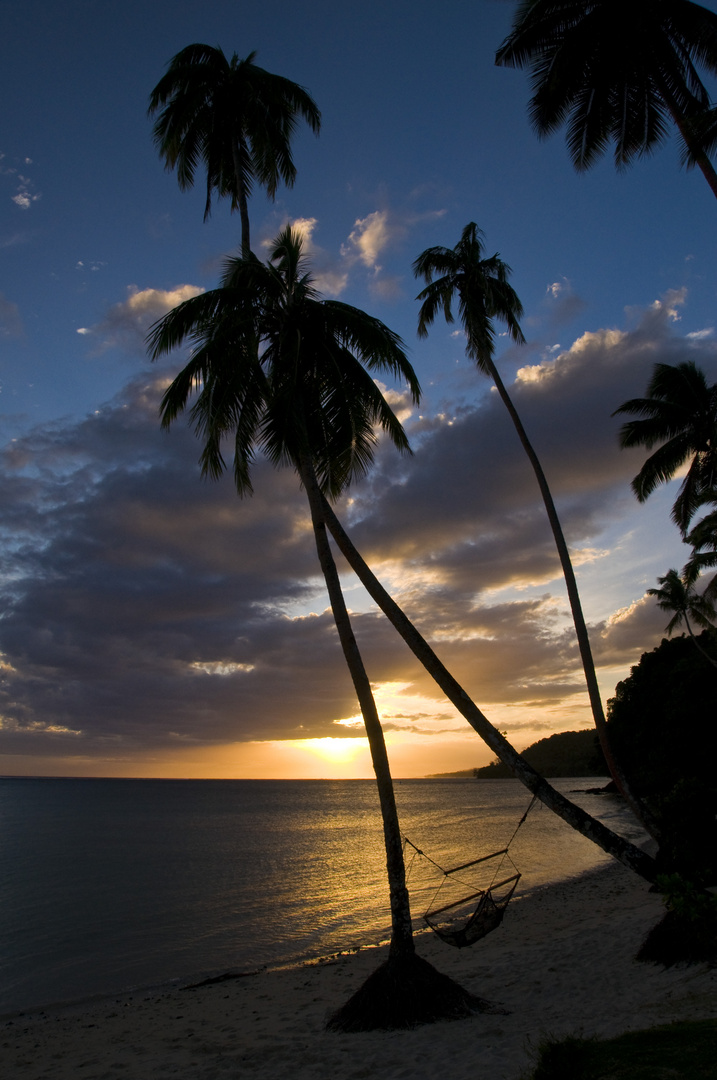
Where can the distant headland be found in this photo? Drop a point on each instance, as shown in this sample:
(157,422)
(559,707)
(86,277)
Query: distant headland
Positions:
(569,753)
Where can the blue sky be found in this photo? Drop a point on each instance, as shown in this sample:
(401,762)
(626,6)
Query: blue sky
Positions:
(153,623)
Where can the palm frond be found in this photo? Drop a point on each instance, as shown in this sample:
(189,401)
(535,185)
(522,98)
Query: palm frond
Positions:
(612,73)
(232,117)
(282,371)
(480,286)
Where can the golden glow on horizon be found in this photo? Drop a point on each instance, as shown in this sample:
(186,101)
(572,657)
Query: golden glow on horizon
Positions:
(300,759)
(423,736)
(336,751)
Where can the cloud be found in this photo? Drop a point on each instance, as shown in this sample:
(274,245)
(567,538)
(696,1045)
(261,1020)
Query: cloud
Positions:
(144,609)
(25,196)
(93,265)
(388,288)
(369,238)
(562,305)
(460,511)
(305,228)
(330,278)
(125,325)
(10,321)
(15,239)
(671,303)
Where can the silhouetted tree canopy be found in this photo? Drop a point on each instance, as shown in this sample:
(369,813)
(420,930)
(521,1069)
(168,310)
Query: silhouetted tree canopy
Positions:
(662,723)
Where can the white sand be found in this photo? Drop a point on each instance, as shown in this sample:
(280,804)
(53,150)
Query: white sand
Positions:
(561,963)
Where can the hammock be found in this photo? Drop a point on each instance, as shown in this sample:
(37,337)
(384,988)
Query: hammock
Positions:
(463,921)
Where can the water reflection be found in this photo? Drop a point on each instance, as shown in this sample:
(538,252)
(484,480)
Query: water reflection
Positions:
(118,882)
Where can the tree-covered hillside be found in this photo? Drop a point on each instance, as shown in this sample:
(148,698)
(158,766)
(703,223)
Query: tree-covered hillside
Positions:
(569,753)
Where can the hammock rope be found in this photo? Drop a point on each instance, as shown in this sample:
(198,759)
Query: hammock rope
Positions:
(488,904)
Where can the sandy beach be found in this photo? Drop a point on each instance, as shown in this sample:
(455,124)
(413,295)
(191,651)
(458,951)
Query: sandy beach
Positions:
(561,963)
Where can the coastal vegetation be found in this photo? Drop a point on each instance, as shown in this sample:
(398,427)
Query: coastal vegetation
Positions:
(673,688)
(671,691)
(679,416)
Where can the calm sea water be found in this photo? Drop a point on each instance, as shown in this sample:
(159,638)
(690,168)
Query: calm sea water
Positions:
(108,884)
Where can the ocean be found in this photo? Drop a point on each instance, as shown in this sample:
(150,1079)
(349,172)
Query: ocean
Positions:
(112,884)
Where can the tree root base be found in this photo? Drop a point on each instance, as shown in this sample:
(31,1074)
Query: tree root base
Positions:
(403,993)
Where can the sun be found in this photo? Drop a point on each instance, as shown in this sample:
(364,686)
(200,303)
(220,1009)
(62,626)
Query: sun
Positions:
(337,751)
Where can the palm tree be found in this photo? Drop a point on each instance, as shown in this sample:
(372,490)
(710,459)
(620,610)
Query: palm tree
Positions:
(680,414)
(232,117)
(616,73)
(289,374)
(480,286)
(235,397)
(677,594)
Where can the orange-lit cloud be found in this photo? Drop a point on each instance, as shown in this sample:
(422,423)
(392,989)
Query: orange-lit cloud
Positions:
(157,625)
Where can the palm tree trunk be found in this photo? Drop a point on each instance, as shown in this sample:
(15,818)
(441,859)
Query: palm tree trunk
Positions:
(696,642)
(401,929)
(581,629)
(699,157)
(697,154)
(242,200)
(577,818)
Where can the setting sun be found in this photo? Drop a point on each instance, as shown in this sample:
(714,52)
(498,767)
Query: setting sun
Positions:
(337,751)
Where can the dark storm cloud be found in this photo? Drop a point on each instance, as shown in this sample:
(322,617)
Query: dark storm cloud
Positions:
(125,572)
(145,608)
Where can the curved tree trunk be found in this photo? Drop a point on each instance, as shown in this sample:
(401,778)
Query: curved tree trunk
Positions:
(697,154)
(401,930)
(243,206)
(696,642)
(621,849)
(700,158)
(581,629)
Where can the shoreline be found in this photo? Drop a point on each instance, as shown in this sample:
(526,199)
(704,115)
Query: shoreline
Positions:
(561,963)
(197,977)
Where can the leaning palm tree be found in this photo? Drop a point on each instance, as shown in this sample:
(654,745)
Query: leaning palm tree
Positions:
(235,396)
(480,286)
(680,414)
(289,374)
(577,818)
(616,72)
(677,594)
(232,117)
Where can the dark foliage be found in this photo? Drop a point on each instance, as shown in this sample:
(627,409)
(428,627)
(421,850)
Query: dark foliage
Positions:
(569,753)
(669,1052)
(678,939)
(404,992)
(661,724)
(568,1059)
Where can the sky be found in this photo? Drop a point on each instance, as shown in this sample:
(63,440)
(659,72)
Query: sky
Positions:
(154,624)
